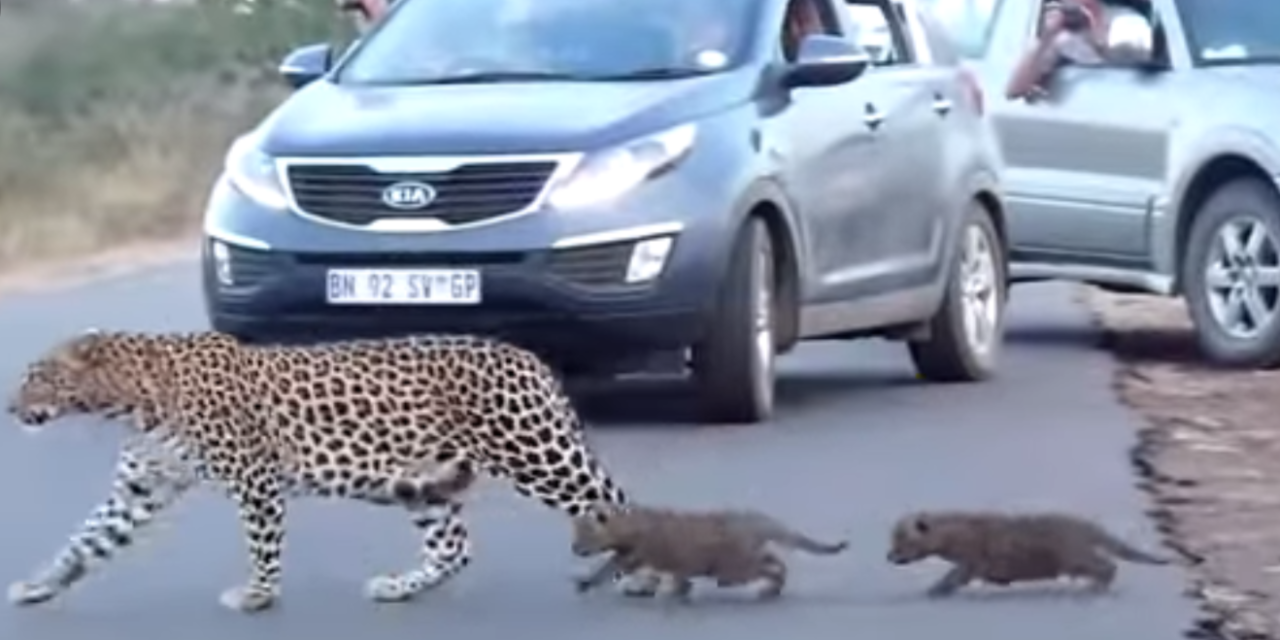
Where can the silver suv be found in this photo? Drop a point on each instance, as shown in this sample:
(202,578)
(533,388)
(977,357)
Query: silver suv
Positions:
(1155,172)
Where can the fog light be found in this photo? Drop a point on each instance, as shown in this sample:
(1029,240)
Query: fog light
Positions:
(648,258)
(222,263)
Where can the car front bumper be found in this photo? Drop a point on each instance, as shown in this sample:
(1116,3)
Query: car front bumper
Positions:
(543,286)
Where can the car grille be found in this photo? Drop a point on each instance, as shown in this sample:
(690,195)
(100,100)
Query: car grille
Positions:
(352,193)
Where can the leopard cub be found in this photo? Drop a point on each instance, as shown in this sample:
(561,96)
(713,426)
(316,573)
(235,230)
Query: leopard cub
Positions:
(729,546)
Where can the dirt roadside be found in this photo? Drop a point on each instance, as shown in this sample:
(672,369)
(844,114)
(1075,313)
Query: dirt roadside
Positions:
(1209,456)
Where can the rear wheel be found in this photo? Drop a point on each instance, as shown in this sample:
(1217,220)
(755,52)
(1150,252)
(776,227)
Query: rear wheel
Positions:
(1231,275)
(733,367)
(968,330)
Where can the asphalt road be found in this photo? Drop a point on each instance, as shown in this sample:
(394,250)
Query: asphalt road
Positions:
(857,442)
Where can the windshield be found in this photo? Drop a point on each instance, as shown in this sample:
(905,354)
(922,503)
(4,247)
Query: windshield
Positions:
(1224,32)
(450,41)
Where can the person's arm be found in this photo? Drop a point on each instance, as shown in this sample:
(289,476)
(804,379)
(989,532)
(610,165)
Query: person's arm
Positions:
(1034,66)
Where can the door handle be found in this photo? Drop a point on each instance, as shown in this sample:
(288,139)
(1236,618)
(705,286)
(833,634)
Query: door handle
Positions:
(941,105)
(872,117)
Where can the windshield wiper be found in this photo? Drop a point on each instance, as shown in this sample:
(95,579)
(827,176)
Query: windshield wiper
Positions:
(654,73)
(499,76)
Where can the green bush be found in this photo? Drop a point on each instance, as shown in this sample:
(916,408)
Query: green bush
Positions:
(114,115)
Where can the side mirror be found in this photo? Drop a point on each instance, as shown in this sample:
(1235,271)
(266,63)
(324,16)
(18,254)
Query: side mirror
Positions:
(306,64)
(825,61)
(1130,40)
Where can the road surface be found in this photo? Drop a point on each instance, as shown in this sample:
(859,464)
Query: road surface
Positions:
(857,442)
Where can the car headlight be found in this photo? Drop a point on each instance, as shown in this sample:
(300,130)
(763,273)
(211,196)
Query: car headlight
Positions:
(607,174)
(253,173)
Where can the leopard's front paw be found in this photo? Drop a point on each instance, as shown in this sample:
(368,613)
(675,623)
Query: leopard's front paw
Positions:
(248,599)
(29,593)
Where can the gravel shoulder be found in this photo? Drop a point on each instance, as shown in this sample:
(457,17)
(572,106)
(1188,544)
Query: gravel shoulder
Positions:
(1209,455)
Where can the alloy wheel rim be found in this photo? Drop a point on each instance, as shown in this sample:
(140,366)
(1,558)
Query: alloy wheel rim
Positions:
(980,296)
(1242,277)
(764,342)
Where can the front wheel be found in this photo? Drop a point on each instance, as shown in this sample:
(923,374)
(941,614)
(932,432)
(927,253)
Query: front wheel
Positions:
(733,367)
(1231,275)
(966,333)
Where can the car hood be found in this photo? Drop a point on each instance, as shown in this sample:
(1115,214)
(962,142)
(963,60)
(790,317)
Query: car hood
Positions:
(526,117)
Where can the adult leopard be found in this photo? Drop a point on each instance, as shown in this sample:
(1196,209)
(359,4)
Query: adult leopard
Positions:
(406,421)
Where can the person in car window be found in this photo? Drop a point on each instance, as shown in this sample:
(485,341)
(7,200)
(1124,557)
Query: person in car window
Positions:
(802,20)
(364,13)
(1072,32)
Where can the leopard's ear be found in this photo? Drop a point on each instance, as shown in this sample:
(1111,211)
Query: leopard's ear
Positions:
(83,350)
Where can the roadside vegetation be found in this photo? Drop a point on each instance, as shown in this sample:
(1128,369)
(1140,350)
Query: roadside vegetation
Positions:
(115,114)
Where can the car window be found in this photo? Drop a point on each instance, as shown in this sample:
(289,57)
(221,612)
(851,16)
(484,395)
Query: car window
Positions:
(968,23)
(941,48)
(805,18)
(1227,32)
(425,41)
(873,31)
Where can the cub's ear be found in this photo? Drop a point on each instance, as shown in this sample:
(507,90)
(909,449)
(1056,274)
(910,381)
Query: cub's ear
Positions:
(604,512)
(920,524)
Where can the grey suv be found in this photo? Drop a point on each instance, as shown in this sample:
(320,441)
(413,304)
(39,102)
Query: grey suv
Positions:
(612,183)
(1155,172)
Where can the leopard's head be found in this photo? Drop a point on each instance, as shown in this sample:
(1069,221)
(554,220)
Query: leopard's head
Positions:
(64,381)
(597,530)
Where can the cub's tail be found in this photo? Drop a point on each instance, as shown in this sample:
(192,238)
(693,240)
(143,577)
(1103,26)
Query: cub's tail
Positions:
(786,536)
(1125,551)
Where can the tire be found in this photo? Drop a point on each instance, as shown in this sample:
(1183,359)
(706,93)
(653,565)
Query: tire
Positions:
(1237,208)
(733,367)
(951,353)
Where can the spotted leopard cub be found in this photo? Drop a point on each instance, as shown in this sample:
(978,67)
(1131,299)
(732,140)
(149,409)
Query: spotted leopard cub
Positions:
(729,546)
(1005,548)
(407,422)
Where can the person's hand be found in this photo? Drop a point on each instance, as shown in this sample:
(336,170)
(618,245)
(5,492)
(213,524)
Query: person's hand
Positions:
(1036,94)
(1051,23)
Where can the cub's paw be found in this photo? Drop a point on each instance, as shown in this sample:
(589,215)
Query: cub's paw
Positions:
(640,590)
(247,599)
(30,593)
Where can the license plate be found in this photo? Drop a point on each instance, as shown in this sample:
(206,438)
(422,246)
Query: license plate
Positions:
(403,286)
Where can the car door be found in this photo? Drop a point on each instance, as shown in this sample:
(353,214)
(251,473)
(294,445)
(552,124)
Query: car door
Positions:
(827,149)
(844,142)
(918,96)
(1086,166)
